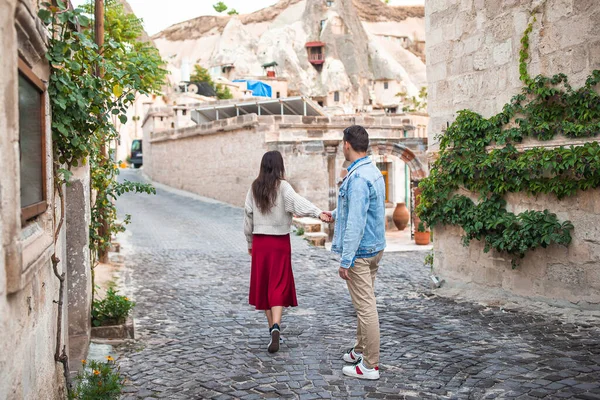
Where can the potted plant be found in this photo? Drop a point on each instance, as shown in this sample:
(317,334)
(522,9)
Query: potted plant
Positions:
(422,235)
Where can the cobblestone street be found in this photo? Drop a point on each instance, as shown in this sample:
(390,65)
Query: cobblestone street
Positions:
(187,268)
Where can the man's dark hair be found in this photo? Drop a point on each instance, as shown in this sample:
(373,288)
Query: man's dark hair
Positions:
(358,138)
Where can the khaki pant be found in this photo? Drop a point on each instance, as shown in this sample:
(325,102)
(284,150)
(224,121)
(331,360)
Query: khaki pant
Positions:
(361,286)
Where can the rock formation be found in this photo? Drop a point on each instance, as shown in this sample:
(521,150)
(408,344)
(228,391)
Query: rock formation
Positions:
(363,43)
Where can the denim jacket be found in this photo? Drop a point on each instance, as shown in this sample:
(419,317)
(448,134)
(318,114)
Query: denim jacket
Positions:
(360,214)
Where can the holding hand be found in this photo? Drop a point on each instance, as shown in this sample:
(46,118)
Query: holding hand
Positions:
(326,216)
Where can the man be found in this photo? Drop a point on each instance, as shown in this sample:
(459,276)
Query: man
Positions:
(360,239)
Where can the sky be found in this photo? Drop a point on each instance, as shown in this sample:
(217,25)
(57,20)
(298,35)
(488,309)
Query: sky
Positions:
(157,18)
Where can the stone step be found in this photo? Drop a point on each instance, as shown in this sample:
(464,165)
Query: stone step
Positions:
(317,239)
(308,224)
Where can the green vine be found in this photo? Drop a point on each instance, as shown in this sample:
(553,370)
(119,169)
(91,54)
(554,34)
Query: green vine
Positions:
(479,154)
(86,107)
(524,54)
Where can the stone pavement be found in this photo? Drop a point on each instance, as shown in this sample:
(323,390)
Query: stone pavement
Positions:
(188,270)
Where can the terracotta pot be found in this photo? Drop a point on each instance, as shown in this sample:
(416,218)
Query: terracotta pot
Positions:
(422,238)
(401,216)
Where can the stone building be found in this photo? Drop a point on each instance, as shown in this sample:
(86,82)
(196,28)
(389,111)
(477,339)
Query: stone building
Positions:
(473,55)
(29,215)
(231,147)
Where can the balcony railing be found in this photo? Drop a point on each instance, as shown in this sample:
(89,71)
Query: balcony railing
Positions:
(316,57)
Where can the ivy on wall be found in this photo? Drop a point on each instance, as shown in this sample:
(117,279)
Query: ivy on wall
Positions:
(479,155)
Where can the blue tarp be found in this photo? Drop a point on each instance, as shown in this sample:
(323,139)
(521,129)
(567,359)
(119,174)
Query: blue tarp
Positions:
(258,88)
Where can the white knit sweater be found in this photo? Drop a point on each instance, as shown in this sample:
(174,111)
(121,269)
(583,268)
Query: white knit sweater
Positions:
(278,221)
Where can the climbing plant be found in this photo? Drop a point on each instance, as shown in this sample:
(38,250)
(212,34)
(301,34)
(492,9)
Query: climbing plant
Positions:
(88,88)
(480,155)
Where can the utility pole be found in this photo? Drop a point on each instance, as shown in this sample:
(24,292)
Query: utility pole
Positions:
(99,28)
(99,36)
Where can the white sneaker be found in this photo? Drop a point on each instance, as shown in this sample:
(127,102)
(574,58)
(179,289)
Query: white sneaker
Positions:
(351,356)
(359,371)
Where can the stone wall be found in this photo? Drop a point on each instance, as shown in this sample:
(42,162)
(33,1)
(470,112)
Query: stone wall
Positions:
(473,50)
(217,164)
(28,287)
(79,271)
(220,159)
(472,53)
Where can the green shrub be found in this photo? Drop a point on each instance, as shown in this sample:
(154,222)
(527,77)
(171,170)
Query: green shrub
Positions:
(112,310)
(97,381)
(300,231)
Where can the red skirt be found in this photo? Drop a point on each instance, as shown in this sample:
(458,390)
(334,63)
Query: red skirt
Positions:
(271,276)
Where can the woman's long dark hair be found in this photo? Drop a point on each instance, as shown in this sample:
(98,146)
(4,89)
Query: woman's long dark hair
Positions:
(264,188)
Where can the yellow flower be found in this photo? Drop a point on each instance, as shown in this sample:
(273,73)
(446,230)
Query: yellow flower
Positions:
(83,362)
(109,358)
(96,372)
(126,298)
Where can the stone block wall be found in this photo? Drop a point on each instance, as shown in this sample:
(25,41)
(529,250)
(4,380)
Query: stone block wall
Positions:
(28,286)
(306,169)
(78,263)
(220,159)
(473,50)
(214,163)
(558,274)
(472,53)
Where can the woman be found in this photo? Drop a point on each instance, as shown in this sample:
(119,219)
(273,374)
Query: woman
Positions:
(270,204)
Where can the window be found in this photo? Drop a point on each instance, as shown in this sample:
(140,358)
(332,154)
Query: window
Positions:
(183,112)
(386,85)
(323,24)
(336,96)
(329,3)
(278,95)
(32,143)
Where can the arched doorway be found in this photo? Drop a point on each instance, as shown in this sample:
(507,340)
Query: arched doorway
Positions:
(414,170)
(414,158)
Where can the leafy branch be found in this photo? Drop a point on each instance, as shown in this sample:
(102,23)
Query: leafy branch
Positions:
(83,105)
(415,103)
